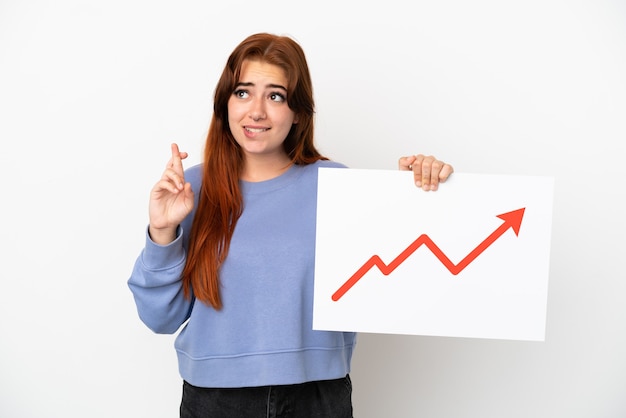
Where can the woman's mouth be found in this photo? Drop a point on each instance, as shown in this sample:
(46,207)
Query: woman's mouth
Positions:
(255,130)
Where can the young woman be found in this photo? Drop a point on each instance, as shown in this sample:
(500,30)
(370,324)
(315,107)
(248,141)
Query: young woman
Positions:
(230,249)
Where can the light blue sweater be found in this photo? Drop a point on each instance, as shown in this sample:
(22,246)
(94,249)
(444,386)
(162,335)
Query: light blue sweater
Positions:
(263,335)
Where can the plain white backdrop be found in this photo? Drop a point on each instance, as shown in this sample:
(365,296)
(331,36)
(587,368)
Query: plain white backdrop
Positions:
(92,94)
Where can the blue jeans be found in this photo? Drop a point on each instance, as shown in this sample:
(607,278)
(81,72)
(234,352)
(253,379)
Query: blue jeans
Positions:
(320,399)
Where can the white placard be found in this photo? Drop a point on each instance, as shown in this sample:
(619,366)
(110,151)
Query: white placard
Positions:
(469,260)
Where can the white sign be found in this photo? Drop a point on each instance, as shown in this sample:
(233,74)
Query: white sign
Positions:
(469,260)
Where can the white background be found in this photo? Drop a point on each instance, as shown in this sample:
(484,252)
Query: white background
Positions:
(92,94)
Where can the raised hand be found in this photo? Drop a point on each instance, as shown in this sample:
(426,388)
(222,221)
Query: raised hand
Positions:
(427,170)
(171,200)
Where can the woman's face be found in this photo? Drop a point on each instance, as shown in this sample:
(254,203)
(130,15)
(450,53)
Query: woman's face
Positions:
(258,114)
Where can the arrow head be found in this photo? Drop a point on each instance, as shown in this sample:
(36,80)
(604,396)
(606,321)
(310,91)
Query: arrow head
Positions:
(513,219)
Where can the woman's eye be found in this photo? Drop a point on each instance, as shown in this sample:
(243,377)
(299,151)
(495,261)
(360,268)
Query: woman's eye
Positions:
(277,97)
(242,94)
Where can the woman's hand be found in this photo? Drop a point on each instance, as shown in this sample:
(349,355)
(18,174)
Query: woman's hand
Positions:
(171,200)
(427,170)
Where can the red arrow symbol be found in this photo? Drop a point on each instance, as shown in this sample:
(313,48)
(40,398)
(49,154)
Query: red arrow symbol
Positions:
(511,220)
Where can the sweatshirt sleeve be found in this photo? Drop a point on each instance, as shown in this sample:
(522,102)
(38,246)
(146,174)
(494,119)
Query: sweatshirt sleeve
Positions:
(156,285)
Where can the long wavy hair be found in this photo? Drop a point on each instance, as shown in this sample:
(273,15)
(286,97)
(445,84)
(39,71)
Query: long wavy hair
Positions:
(220,201)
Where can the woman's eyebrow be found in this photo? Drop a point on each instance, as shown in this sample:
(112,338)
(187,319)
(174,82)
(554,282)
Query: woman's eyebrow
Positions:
(272,86)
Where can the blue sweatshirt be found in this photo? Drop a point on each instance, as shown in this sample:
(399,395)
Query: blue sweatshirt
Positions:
(263,335)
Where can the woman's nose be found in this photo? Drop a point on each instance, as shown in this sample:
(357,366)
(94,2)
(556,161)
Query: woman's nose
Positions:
(257,110)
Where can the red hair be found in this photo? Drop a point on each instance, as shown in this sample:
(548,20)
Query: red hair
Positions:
(220,202)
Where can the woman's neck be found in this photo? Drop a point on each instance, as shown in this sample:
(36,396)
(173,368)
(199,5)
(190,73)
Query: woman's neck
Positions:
(261,168)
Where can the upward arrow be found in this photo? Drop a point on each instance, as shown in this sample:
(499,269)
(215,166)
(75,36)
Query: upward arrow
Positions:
(511,220)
